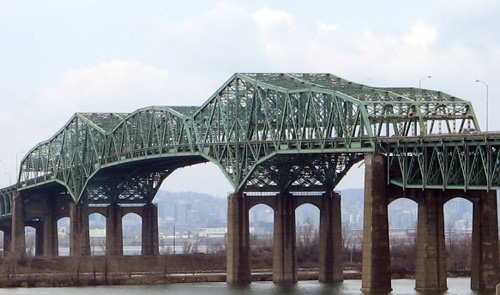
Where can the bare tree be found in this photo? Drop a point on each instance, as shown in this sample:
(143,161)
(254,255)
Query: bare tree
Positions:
(217,248)
(187,248)
(307,239)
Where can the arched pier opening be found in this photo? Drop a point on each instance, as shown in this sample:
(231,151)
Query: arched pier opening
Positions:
(403,214)
(261,237)
(458,220)
(63,228)
(132,234)
(307,219)
(97,234)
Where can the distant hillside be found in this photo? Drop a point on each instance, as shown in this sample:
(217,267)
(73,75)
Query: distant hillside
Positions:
(190,211)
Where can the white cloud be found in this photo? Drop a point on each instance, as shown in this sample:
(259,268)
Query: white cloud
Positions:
(345,50)
(277,31)
(327,27)
(218,42)
(5,117)
(267,18)
(461,8)
(114,86)
(421,34)
(110,86)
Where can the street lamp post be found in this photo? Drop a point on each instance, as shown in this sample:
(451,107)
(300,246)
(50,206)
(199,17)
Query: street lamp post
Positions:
(420,82)
(481,81)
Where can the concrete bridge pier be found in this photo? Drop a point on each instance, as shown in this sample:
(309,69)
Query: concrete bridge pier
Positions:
(49,229)
(284,253)
(485,256)
(7,234)
(376,265)
(150,240)
(18,240)
(39,236)
(238,240)
(431,253)
(330,239)
(79,226)
(114,231)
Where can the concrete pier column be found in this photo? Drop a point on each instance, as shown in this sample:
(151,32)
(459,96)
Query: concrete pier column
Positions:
(484,259)
(114,231)
(330,239)
(39,237)
(284,253)
(50,244)
(79,230)
(7,234)
(18,240)
(431,253)
(150,230)
(238,240)
(376,265)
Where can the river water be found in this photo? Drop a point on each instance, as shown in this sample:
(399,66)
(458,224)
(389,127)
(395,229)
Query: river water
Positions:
(457,286)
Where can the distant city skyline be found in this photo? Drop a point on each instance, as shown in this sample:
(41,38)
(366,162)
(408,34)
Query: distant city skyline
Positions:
(192,211)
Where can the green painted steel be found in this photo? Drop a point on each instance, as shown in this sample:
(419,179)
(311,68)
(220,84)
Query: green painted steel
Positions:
(470,162)
(6,196)
(266,132)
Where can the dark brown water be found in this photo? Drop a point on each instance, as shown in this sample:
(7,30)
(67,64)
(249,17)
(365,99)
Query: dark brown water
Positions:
(456,286)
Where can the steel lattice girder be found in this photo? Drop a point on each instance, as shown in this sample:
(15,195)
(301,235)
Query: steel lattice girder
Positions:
(70,156)
(251,124)
(448,162)
(6,196)
(131,187)
(300,172)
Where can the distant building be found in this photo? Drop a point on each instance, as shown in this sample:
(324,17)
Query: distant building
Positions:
(97,233)
(216,232)
(212,232)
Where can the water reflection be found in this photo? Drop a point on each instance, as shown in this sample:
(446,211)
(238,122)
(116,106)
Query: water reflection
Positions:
(457,286)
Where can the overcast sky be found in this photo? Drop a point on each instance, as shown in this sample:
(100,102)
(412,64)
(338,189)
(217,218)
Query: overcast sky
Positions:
(59,57)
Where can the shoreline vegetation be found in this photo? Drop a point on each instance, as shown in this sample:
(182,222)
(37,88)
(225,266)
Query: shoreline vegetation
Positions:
(125,270)
(141,270)
(193,266)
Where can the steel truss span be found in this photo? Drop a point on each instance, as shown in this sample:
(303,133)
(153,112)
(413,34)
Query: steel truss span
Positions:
(266,132)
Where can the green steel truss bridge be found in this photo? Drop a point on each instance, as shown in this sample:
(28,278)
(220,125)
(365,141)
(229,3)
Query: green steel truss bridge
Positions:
(267,132)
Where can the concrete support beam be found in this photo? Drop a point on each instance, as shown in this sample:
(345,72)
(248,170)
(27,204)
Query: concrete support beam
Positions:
(284,253)
(150,230)
(431,253)
(238,240)
(79,227)
(50,243)
(376,265)
(114,231)
(18,240)
(330,239)
(485,257)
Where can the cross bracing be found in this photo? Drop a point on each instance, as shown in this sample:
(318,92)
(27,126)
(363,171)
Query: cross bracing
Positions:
(447,162)
(267,132)
(6,196)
